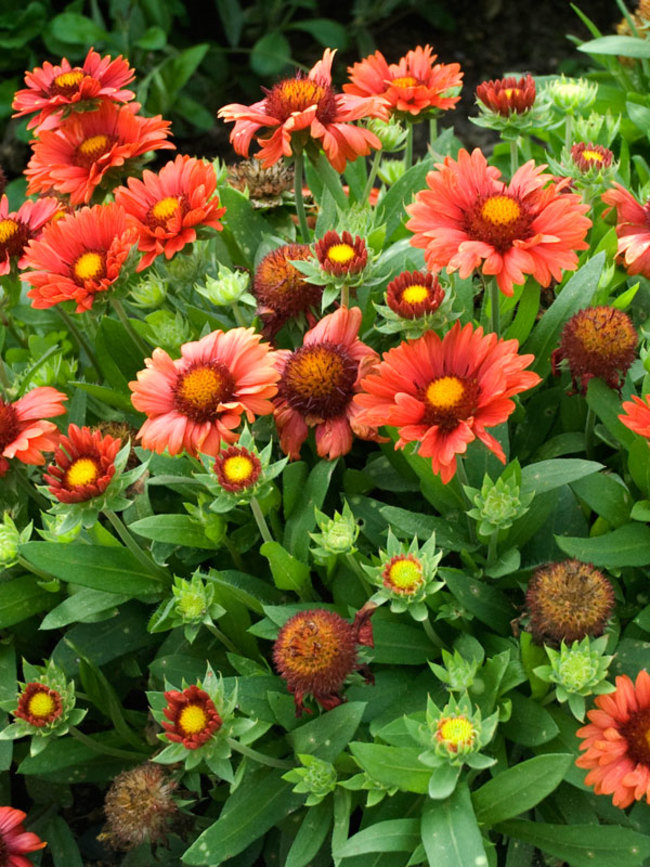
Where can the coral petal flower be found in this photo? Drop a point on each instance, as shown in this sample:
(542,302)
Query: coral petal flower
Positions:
(166,208)
(318,383)
(443,393)
(509,95)
(414,85)
(19,227)
(78,256)
(299,110)
(632,229)
(53,88)
(616,742)
(196,401)
(84,464)
(15,841)
(75,157)
(468,218)
(24,433)
(637,415)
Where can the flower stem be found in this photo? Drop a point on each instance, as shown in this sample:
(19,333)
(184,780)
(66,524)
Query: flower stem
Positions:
(125,535)
(589,433)
(79,339)
(139,343)
(260,520)
(223,638)
(358,571)
(345,295)
(568,132)
(514,156)
(374,168)
(104,748)
(256,756)
(44,576)
(495,297)
(432,635)
(492,547)
(299,164)
(29,488)
(433,131)
(408,151)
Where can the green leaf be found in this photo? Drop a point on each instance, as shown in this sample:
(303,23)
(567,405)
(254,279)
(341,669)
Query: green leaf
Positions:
(76,29)
(311,835)
(628,545)
(301,520)
(526,315)
(82,607)
(270,54)
(607,405)
(520,787)
(391,208)
(153,39)
(109,396)
(244,224)
(393,766)
(232,19)
(625,46)
(288,573)
(329,734)
(529,725)
(638,463)
(423,526)
(393,835)
(484,601)
(400,643)
(175,530)
(606,495)
(61,843)
(328,33)
(450,833)
(21,597)
(583,845)
(117,356)
(548,475)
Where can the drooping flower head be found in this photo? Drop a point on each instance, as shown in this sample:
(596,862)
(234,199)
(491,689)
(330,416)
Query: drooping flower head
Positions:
(616,742)
(317,384)
(597,341)
(637,415)
(139,807)
(413,86)
(78,257)
(281,290)
(53,90)
(193,717)
(316,650)
(509,95)
(341,255)
(24,432)
(306,111)
(15,841)
(443,392)
(84,464)
(413,294)
(468,218)
(196,401)
(632,229)
(567,601)
(76,157)
(19,227)
(591,158)
(167,208)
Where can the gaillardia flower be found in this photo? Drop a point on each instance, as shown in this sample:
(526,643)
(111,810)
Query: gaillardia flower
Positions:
(19,227)
(265,187)
(302,111)
(193,717)
(237,469)
(75,158)
(317,649)
(616,742)
(591,158)
(84,464)
(317,384)
(412,87)
(139,807)
(341,255)
(567,601)
(469,218)
(54,89)
(39,705)
(281,290)
(637,415)
(509,95)
(78,257)
(632,229)
(443,392)
(196,401)
(597,341)
(15,841)
(167,208)
(414,293)
(24,433)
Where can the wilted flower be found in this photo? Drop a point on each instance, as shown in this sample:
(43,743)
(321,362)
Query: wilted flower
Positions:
(266,188)
(139,807)
(316,778)
(577,670)
(281,290)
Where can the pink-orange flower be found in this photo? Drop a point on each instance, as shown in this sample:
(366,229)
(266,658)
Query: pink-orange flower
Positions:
(616,742)
(78,256)
(413,86)
(53,89)
(84,464)
(443,392)
(19,227)
(75,157)
(468,217)
(24,432)
(632,229)
(298,111)
(15,841)
(507,96)
(196,401)
(637,415)
(318,383)
(166,208)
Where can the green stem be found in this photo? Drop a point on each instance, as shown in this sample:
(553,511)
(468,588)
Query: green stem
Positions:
(260,520)
(125,535)
(514,156)
(432,635)
(106,750)
(358,571)
(29,488)
(568,132)
(239,319)
(589,433)
(256,756)
(408,151)
(433,131)
(495,298)
(223,638)
(461,472)
(4,379)
(44,576)
(138,342)
(79,338)
(493,547)
(345,295)
(299,165)
(374,168)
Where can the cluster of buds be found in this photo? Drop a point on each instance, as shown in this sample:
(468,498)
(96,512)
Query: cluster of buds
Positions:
(192,604)
(337,535)
(316,778)
(498,504)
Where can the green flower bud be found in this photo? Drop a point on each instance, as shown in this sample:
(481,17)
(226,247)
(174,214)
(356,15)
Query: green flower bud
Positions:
(10,540)
(578,670)
(498,504)
(391,133)
(338,534)
(571,94)
(225,289)
(316,777)
(150,292)
(167,329)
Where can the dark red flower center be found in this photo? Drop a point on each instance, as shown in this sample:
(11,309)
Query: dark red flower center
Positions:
(294,95)
(318,380)
(67,83)
(636,732)
(200,390)
(9,425)
(449,400)
(498,220)
(14,234)
(92,148)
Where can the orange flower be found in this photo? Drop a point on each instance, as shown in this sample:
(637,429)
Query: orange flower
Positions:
(51,90)
(414,293)
(616,742)
(589,156)
(39,705)
(637,416)
(78,257)
(468,217)
(24,434)
(15,841)
(19,227)
(443,393)
(166,207)
(196,401)
(84,464)
(75,157)
(318,383)
(237,469)
(412,86)
(341,255)
(632,229)
(506,96)
(299,111)
(193,717)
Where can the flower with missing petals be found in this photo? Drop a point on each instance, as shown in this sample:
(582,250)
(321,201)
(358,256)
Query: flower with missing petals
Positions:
(15,841)
(281,290)
(632,229)
(506,96)
(139,807)
(24,432)
(637,415)
(19,227)
(84,464)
